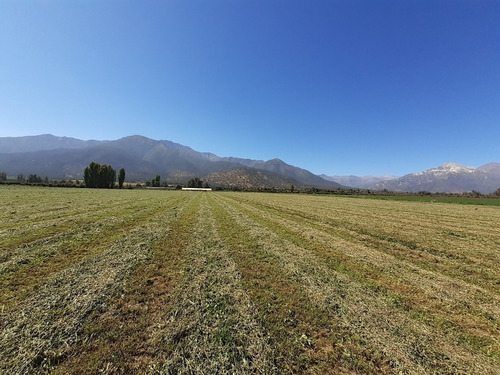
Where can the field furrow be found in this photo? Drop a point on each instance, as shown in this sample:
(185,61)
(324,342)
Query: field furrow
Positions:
(117,339)
(146,281)
(310,262)
(49,218)
(376,260)
(37,332)
(471,257)
(305,326)
(211,328)
(28,265)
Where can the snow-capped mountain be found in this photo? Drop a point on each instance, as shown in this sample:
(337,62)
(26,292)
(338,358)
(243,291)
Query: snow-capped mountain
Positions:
(448,178)
(446,169)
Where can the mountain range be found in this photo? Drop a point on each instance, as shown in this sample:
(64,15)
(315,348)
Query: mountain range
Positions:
(449,178)
(144,158)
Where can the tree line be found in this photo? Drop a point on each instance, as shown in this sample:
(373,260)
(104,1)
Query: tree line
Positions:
(104,176)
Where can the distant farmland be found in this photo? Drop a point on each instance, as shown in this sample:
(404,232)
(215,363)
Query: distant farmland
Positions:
(170,282)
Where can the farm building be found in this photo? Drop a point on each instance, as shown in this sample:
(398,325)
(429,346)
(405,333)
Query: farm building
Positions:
(197,189)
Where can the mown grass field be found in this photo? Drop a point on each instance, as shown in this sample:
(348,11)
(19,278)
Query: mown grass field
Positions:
(481,201)
(168,282)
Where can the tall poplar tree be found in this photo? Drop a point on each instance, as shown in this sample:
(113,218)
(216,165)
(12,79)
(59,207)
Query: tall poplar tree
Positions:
(121,178)
(99,176)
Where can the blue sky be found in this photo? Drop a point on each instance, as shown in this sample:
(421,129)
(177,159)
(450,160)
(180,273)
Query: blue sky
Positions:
(336,87)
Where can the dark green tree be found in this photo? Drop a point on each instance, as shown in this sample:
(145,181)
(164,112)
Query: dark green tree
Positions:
(195,183)
(107,177)
(91,175)
(155,182)
(34,179)
(3,176)
(121,178)
(99,176)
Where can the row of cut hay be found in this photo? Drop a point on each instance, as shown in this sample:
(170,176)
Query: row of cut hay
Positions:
(410,341)
(457,249)
(211,327)
(359,251)
(305,337)
(38,331)
(454,308)
(478,293)
(25,267)
(347,212)
(39,221)
(119,339)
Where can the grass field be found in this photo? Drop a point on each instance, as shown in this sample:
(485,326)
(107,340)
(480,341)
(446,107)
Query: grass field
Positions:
(481,201)
(169,282)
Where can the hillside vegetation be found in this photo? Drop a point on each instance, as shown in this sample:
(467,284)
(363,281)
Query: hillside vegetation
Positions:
(169,282)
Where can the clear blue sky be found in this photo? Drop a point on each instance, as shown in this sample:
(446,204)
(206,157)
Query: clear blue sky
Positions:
(336,87)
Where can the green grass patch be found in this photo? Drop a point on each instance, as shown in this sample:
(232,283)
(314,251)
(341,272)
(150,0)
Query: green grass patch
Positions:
(481,201)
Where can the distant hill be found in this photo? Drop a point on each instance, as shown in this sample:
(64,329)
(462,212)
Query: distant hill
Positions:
(142,158)
(250,178)
(449,178)
(363,182)
(279,167)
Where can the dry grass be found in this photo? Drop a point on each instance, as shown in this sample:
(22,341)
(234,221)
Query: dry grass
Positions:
(210,327)
(117,340)
(96,281)
(423,318)
(48,319)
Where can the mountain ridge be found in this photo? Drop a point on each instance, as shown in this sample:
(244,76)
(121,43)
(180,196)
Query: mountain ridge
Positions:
(447,178)
(142,158)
